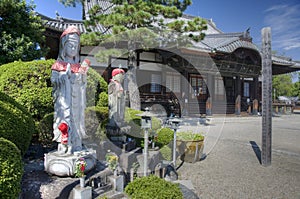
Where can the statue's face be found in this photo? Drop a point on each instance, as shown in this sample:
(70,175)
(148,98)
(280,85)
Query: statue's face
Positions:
(119,77)
(71,46)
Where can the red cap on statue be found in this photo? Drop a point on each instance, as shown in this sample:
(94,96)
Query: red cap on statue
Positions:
(117,71)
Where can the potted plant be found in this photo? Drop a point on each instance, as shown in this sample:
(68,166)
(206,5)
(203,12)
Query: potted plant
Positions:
(190,146)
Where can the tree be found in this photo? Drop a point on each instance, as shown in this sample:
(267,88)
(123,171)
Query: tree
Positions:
(21,32)
(296,87)
(138,22)
(282,84)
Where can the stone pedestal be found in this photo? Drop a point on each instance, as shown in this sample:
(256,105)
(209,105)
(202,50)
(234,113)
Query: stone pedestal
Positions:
(117,182)
(82,192)
(64,164)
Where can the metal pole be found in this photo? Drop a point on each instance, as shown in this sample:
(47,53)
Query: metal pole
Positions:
(146,152)
(266,97)
(174,148)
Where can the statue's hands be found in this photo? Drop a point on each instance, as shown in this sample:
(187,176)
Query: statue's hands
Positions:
(68,70)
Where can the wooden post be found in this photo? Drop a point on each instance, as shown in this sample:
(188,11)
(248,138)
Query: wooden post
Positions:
(255,107)
(266,97)
(238,105)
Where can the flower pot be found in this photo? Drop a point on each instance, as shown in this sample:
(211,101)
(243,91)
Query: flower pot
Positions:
(82,181)
(190,150)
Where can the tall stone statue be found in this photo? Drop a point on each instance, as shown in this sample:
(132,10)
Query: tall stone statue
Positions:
(116,100)
(69,80)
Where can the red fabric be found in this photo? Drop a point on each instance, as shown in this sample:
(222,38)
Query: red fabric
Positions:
(63,127)
(69,30)
(62,66)
(117,71)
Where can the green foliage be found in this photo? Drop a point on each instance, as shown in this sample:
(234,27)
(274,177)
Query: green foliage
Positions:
(164,136)
(296,89)
(16,124)
(132,21)
(134,122)
(103,100)
(96,119)
(153,187)
(11,169)
(21,32)
(166,152)
(45,130)
(282,84)
(29,84)
(189,136)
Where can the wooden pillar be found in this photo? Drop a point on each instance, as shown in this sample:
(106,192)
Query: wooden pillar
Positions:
(238,105)
(185,93)
(266,97)
(255,107)
(211,91)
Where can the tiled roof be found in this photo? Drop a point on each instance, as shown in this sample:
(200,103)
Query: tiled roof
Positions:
(60,24)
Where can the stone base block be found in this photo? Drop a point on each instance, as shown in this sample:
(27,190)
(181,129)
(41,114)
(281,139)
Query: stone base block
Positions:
(64,164)
(117,182)
(82,192)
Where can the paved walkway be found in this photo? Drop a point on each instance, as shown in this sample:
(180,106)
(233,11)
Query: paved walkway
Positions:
(232,167)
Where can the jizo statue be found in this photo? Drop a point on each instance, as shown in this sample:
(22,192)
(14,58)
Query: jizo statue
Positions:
(69,79)
(116,101)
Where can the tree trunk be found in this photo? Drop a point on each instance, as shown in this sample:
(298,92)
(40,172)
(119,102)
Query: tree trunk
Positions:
(134,94)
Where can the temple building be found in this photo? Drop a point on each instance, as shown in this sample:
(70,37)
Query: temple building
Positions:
(215,75)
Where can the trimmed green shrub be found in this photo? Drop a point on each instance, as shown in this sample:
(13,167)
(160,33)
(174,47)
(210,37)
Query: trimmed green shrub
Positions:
(153,187)
(29,84)
(103,100)
(166,152)
(45,128)
(16,124)
(96,119)
(11,169)
(164,136)
(189,136)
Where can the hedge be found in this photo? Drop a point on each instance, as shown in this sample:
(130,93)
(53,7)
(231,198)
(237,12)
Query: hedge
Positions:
(153,187)
(11,169)
(16,124)
(29,84)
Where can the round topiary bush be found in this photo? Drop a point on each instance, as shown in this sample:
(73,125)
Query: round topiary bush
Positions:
(11,169)
(29,84)
(151,187)
(16,124)
(164,136)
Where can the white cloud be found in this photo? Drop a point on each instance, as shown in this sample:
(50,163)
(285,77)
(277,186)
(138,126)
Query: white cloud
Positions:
(284,21)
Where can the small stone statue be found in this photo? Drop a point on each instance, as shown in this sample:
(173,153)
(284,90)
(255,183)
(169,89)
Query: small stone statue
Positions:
(69,81)
(116,101)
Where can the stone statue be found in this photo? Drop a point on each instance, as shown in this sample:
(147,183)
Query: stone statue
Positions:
(69,79)
(116,101)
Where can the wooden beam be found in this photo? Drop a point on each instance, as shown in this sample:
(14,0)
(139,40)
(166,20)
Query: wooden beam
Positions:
(266,97)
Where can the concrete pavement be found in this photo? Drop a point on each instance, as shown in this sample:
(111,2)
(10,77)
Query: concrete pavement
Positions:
(232,167)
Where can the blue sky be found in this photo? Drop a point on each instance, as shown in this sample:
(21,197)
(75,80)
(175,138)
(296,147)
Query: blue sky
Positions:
(283,16)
